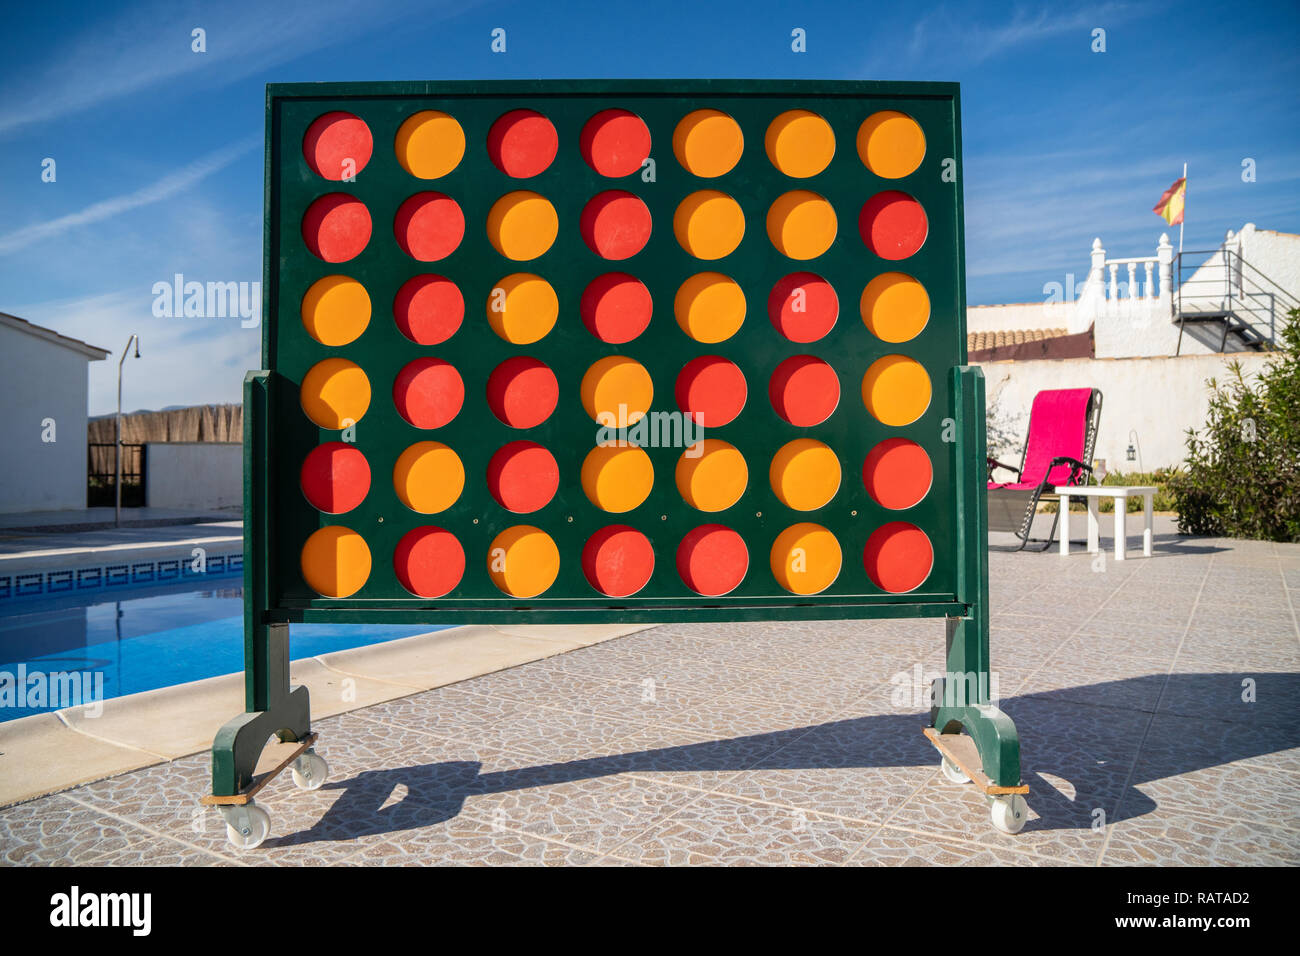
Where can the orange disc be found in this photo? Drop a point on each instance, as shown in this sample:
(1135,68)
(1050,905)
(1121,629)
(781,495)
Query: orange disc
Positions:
(428,477)
(712,475)
(523,561)
(896,390)
(335,561)
(335,393)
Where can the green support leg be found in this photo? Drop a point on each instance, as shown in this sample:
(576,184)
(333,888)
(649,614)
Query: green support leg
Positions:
(962,698)
(278,710)
(271,706)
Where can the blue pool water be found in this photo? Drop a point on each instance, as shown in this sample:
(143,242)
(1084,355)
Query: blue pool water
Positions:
(143,639)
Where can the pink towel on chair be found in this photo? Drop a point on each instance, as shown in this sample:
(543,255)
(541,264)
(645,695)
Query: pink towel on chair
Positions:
(1058,425)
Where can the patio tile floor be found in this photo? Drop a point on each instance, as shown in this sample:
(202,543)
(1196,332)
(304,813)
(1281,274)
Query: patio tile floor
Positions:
(1155,701)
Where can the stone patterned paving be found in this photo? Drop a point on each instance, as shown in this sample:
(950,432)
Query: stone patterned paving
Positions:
(1131,684)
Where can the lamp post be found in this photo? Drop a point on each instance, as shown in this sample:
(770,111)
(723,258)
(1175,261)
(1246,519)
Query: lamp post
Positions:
(117,447)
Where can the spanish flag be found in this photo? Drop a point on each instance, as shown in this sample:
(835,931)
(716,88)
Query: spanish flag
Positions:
(1170,206)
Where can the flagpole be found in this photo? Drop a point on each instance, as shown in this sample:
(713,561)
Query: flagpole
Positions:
(1184,219)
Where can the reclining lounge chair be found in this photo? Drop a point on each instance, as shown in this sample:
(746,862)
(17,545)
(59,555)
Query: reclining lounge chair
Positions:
(1058,451)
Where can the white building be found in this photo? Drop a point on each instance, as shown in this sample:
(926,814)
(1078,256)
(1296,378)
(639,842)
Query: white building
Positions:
(1149,331)
(44,382)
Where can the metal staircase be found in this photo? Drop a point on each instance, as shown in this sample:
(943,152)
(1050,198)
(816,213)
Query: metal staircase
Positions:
(1224,292)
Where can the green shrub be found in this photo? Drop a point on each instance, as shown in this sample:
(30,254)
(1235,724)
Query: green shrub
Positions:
(1242,478)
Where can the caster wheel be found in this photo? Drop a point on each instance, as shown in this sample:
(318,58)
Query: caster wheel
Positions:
(1009,812)
(310,771)
(247,826)
(953,772)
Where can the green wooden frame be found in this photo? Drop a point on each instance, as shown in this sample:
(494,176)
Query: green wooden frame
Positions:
(278,435)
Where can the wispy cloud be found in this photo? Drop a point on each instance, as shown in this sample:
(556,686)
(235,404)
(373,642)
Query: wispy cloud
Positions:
(164,188)
(956,34)
(170,370)
(151,45)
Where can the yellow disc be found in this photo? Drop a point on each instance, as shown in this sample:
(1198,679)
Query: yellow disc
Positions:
(522,225)
(335,393)
(335,561)
(335,310)
(712,475)
(617,478)
(709,224)
(891,144)
(710,307)
(522,308)
(428,477)
(896,390)
(805,474)
(708,143)
(617,391)
(801,224)
(806,558)
(800,143)
(895,307)
(523,561)
(430,144)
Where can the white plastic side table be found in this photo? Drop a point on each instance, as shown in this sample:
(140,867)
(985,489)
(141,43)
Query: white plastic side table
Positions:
(1092,495)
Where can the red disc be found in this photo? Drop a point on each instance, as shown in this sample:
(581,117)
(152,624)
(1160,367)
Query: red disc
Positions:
(804,390)
(893,225)
(428,392)
(803,307)
(429,226)
(615,142)
(898,557)
(337,145)
(618,560)
(336,227)
(616,307)
(615,225)
(429,561)
(522,392)
(897,473)
(522,143)
(335,477)
(523,477)
(712,560)
(428,309)
(711,390)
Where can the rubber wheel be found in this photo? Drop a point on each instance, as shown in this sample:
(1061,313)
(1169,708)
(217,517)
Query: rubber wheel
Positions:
(256,825)
(310,771)
(1009,812)
(953,772)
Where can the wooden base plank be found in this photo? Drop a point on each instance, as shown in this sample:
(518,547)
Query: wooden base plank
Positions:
(261,780)
(960,749)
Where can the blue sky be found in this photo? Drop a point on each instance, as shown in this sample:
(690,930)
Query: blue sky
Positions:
(159,161)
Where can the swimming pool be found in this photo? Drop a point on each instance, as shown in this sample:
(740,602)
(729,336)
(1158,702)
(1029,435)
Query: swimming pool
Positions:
(126,641)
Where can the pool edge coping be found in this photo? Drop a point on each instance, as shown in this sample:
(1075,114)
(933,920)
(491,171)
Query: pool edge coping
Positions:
(58,750)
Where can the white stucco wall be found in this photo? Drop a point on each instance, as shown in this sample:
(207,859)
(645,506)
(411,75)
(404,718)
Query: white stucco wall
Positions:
(1019,315)
(1159,398)
(40,379)
(194,475)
